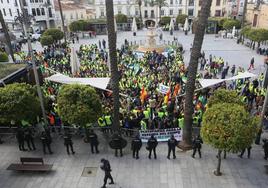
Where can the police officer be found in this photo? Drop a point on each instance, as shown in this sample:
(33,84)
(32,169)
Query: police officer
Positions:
(265,147)
(93,139)
(172,143)
(29,139)
(117,140)
(136,146)
(243,151)
(20,138)
(46,141)
(197,144)
(106,167)
(68,143)
(151,145)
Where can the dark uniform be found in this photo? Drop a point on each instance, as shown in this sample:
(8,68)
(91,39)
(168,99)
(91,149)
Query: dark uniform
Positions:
(20,138)
(117,139)
(68,143)
(243,151)
(93,139)
(29,139)
(172,143)
(151,145)
(265,147)
(197,144)
(136,146)
(46,141)
(106,167)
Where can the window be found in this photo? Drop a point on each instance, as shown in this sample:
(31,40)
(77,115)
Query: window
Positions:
(119,9)
(33,12)
(199,12)
(190,12)
(10,13)
(152,13)
(217,12)
(18,12)
(7,1)
(71,16)
(1,1)
(145,14)
(102,13)
(180,2)
(218,2)
(180,12)
(171,2)
(82,16)
(16,3)
(38,12)
(191,2)
(137,11)
(162,12)
(76,15)
(4,12)
(49,12)
(171,12)
(200,3)
(36,1)
(43,11)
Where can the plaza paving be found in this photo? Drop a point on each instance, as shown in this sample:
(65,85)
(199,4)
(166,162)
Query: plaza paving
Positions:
(183,172)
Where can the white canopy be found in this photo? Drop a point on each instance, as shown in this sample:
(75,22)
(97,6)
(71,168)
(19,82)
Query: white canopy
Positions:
(100,83)
(210,82)
(171,24)
(134,25)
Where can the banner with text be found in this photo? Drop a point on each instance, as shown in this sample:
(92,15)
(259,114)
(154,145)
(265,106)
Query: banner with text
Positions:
(161,135)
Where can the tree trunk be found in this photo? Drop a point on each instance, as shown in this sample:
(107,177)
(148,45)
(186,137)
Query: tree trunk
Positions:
(62,21)
(140,15)
(8,40)
(218,170)
(192,70)
(113,63)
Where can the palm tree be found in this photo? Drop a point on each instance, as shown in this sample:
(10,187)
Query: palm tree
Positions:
(8,40)
(113,62)
(139,2)
(160,4)
(192,70)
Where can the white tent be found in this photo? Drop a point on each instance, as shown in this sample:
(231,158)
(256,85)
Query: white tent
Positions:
(100,83)
(171,24)
(75,65)
(210,82)
(186,25)
(134,25)
(115,25)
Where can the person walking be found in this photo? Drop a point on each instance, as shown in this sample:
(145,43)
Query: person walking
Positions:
(265,147)
(136,146)
(106,167)
(104,44)
(29,139)
(243,151)
(151,146)
(46,141)
(172,143)
(197,144)
(93,139)
(21,138)
(99,44)
(251,65)
(68,143)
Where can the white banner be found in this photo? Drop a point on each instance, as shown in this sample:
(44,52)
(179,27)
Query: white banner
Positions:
(163,89)
(161,135)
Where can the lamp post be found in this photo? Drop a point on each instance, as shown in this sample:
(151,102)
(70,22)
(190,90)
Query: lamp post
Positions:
(25,19)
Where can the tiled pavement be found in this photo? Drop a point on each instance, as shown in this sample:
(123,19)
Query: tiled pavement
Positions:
(183,172)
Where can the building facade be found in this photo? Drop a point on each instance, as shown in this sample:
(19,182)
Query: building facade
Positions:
(42,13)
(218,8)
(257,15)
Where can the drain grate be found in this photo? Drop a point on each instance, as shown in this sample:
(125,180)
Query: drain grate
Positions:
(89,172)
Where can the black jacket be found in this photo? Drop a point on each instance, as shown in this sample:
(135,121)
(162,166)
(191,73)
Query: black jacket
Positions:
(136,144)
(172,143)
(152,143)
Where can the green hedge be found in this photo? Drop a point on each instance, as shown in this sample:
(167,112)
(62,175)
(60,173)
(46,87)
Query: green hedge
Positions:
(3,57)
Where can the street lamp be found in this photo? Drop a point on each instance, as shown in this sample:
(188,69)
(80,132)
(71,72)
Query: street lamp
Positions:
(25,20)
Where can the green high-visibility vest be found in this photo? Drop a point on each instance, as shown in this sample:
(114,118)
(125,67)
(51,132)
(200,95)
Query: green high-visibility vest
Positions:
(161,114)
(101,122)
(181,122)
(146,114)
(143,125)
(108,120)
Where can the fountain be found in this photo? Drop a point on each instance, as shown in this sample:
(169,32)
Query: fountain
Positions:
(151,43)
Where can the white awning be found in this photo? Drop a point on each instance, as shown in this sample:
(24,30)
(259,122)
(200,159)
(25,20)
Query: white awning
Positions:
(100,83)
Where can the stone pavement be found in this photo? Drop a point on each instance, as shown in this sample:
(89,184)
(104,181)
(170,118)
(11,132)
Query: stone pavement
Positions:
(183,172)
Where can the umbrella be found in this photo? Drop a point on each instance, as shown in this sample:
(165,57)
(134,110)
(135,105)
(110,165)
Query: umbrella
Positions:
(171,25)
(115,25)
(186,25)
(233,31)
(134,25)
